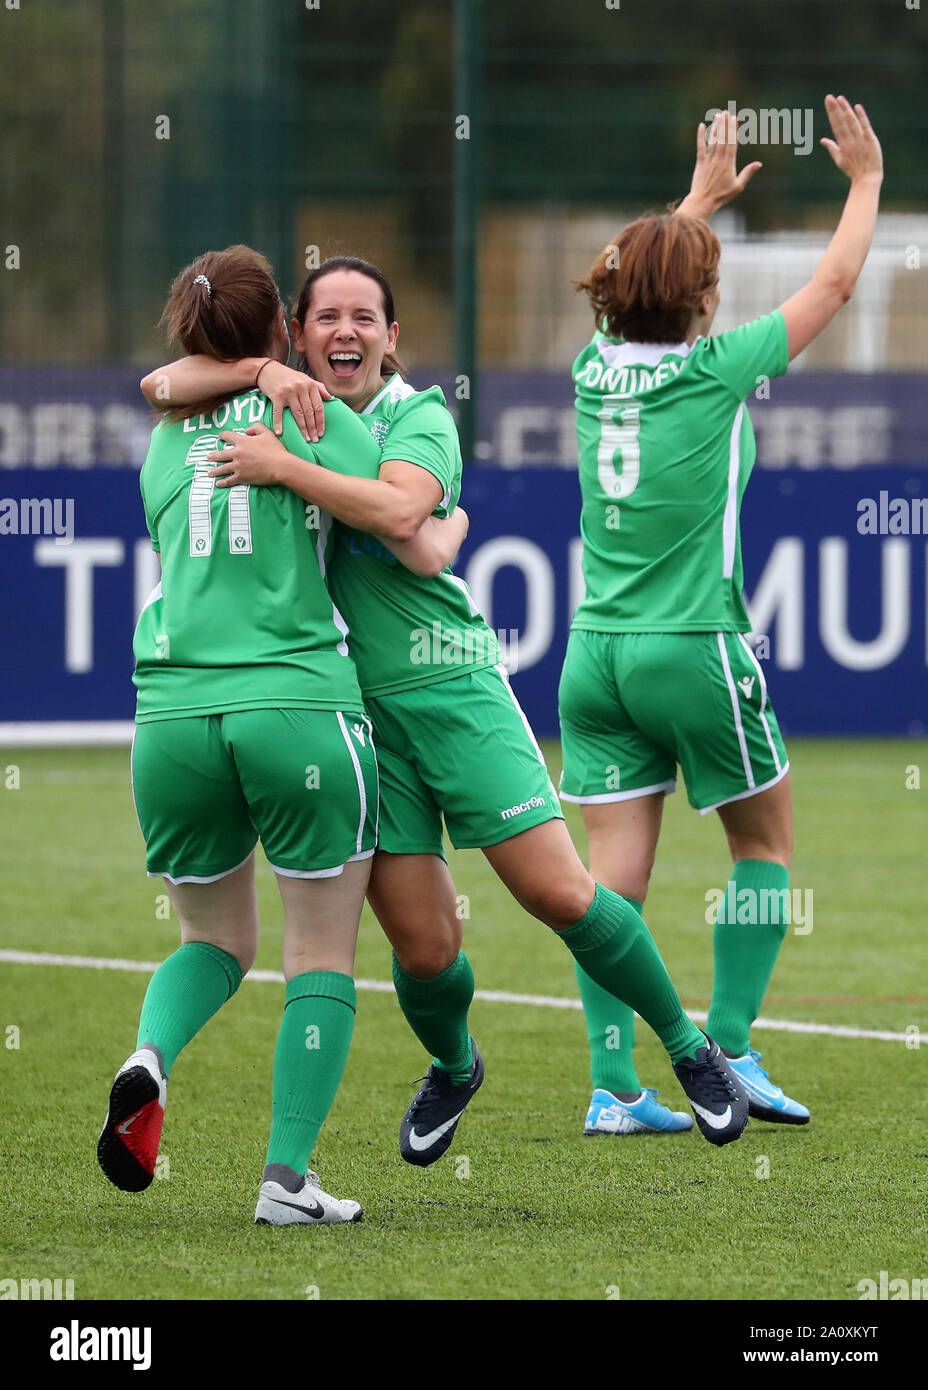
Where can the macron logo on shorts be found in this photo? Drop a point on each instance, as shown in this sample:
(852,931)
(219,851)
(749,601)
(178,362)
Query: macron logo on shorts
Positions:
(523,806)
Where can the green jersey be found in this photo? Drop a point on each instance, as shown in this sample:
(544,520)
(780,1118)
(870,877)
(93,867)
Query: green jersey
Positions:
(666,449)
(406,629)
(242,618)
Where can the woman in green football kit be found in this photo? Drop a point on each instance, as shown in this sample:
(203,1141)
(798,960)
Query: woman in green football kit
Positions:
(249,724)
(451,740)
(658,670)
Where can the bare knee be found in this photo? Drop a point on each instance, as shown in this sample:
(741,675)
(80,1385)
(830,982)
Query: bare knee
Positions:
(634,883)
(772,848)
(761,826)
(245,957)
(425,959)
(300,960)
(561,904)
(640,890)
(242,949)
(423,945)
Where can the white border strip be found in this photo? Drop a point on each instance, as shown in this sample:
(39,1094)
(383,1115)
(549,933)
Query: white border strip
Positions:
(488,996)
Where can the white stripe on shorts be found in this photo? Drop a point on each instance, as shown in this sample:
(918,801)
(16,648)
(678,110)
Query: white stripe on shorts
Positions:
(362,790)
(601,798)
(212,878)
(504,677)
(370,734)
(763,700)
(736,711)
(742,796)
(322,873)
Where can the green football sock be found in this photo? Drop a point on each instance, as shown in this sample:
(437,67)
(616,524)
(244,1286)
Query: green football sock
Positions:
(746,952)
(309,1061)
(610,1027)
(436,1011)
(183,994)
(616,950)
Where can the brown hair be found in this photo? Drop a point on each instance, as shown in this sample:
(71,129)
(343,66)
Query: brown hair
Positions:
(222,305)
(647,283)
(390,363)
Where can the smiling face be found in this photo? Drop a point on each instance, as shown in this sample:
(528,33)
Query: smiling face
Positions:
(345,335)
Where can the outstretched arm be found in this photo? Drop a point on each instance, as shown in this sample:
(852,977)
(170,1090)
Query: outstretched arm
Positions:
(201,378)
(856,151)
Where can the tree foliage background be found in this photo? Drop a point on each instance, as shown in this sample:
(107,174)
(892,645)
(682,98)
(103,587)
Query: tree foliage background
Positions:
(272,104)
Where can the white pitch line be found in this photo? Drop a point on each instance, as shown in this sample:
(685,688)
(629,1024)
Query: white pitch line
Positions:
(488,996)
(81,733)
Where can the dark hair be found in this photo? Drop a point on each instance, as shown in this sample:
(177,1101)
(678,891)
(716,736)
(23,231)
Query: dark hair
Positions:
(222,305)
(390,364)
(647,283)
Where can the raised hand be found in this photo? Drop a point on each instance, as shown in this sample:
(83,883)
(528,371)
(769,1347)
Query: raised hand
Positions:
(716,179)
(855,149)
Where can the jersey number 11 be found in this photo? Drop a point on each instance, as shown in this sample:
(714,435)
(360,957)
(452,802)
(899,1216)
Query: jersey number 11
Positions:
(199,504)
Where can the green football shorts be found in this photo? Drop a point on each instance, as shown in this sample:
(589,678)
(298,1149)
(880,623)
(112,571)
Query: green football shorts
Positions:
(209,786)
(461,748)
(634,704)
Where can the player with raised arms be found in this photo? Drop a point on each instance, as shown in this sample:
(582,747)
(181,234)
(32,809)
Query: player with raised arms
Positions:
(658,670)
(249,724)
(451,739)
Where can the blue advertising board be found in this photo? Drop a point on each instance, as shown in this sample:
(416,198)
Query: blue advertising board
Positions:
(834,554)
(841,614)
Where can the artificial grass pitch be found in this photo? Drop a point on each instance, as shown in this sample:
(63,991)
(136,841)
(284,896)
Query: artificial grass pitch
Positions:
(522,1207)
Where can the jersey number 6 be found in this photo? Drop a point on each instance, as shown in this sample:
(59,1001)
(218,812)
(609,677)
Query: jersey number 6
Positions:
(618,444)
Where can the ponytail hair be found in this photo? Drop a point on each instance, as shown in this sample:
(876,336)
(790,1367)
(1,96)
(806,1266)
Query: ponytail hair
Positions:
(390,362)
(647,283)
(223,305)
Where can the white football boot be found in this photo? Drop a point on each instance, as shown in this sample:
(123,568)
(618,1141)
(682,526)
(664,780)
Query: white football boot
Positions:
(308,1206)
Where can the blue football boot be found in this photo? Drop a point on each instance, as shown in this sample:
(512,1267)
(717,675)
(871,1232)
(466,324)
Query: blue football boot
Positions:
(609,1115)
(765,1100)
